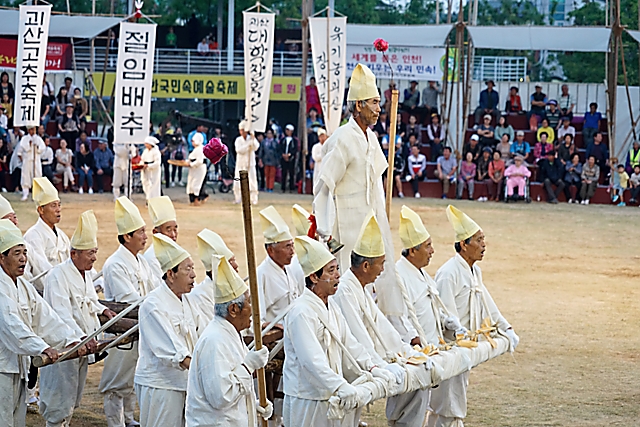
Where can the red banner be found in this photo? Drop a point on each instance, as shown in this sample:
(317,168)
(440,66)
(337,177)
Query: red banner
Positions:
(58,55)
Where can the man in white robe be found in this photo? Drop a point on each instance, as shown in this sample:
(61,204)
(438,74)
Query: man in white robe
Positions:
(220,391)
(316,341)
(163,217)
(151,175)
(29,150)
(28,327)
(459,282)
(246,146)
(70,292)
(123,153)
(127,277)
(371,328)
(167,339)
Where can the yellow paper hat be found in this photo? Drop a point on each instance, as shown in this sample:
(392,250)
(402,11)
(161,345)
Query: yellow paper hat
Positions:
(10,235)
(274,229)
(464,226)
(211,244)
(86,234)
(412,230)
(229,285)
(370,243)
(128,216)
(161,210)
(168,252)
(312,254)
(44,192)
(362,85)
(5,207)
(300,218)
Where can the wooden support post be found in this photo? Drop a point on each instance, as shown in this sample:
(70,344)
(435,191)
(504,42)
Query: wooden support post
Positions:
(253,282)
(393,125)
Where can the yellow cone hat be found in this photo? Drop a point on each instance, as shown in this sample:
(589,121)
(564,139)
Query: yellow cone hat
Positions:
(362,85)
(370,243)
(5,207)
(86,234)
(412,230)
(464,226)
(211,244)
(161,210)
(274,229)
(229,285)
(168,252)
(300,218)
(10,235)
(44,192)
(312,254)
(128,216)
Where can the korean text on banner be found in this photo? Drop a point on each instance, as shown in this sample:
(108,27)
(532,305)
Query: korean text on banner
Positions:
(33,33)
(414,63)
(329,47)
(258,66)
(134,77)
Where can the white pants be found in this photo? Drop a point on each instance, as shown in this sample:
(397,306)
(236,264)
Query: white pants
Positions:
(305,413)
(61,387)
(449,402)
(117,385)
(13,400)
(409,409)
(120,178)
(119,408)
(253,186)
(67,174)
(161,407)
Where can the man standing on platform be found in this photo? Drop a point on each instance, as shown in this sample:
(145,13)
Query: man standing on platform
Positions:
(288,150)
(163,216)
(29,149)
(246,146)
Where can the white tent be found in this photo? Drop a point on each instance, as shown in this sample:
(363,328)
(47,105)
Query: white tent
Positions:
(79,27)
(399,35)
(570,39)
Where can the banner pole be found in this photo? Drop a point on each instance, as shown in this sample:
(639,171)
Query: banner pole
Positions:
(392,148)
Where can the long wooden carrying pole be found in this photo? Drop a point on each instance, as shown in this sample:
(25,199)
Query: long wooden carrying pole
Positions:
(392,148)
(253,282)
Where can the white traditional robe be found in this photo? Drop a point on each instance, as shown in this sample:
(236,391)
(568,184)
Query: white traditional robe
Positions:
(31,147)
(28,326)
(315,366)
(316,155)
(246,160)
(220,391)
(46,249)
(122,153)
(152,174)
(167,337)
(74,299)
(197,170)
(127,277)
(349,186)
(201,301)
(277,288)
(154,265)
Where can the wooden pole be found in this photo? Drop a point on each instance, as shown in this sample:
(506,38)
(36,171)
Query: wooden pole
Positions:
(392,148)
(302,111)
(253,282)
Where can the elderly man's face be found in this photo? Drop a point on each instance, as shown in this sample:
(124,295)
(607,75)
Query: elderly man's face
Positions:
(182,281)
(282,252)
(422,257)
(169,229)
(244,315)
(327,284)
(84,259)
(14,261)
(368,111)
(474,250)
(51,212)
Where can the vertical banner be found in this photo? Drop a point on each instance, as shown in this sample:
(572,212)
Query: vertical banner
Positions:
(33,34)
(134,76)
(329,53)
(258,31)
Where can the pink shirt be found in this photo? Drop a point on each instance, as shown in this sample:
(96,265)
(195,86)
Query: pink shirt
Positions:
(513,170)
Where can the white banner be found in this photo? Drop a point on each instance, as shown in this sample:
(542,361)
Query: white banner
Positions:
(258,66)
(409,63)
(329,54)
(33,34)
(134,75)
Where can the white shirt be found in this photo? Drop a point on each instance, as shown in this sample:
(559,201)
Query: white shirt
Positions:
(47,156)
(316,154)
(127,277)
(154,265)
(201,302)
(45,248)
(277,288)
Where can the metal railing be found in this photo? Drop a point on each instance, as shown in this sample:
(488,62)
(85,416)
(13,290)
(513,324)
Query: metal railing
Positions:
(500,68)
(186,61)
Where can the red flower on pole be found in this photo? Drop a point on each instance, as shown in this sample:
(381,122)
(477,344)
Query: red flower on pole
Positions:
(381,45)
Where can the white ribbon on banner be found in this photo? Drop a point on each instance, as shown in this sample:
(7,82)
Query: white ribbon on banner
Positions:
(329,53)
(134,76)
(258,31)
(33,34)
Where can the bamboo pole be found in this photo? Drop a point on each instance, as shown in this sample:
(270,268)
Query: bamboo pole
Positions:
(302,110)
(392,148)
(253,282)
(44,360)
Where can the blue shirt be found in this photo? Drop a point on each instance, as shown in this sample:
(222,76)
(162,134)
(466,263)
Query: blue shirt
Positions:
(592,121)
(489,101)
(103,159)
(524,148)
(190,137)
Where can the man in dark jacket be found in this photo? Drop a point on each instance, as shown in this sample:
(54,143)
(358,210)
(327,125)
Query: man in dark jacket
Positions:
(288,149)
(551,174)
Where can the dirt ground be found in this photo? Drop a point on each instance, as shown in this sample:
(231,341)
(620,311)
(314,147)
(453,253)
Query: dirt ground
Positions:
(565,276)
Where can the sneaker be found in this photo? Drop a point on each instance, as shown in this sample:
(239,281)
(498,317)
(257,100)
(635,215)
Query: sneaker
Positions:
(80,190)
(622,204)
(417,196)
(444,196)
(4,190)
(90,190)
(615,198)
(586,202)
(401,195)
(570,201)
(173,184)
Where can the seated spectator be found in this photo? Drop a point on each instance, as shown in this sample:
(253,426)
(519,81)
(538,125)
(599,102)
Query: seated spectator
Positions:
(430,98)
(81,140)
(621,184)
(472,147)
(171,39)
(48,97)
(7,105)
(70,87)
(314,122)
(517,175)
(84,167)
(496,176)
(488,104)
(64,160)
(590,176)
(398,168)
(400,126)
(504,128)
(482,171)
(6,87)
(387,96)
(203,48)
(541,148)
(566,103)
(406,146)
(538,104)
(504,148)
(61,102)
(566,129)
(80,108)
(566,149)
(4,123)
(633,158)
(600,151)
(5,159)
(634,180)
(446,170)
(68,125)
(573,176)
(381,128)
(486,132)
(46,159)
(514,104)
(553,114)
(411,97)
(591,123)
(103,159)
(413,128)
(552,174)
(545,128)
(520,146)
(467,176)
(436,135)
(213,44)
(417,168)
